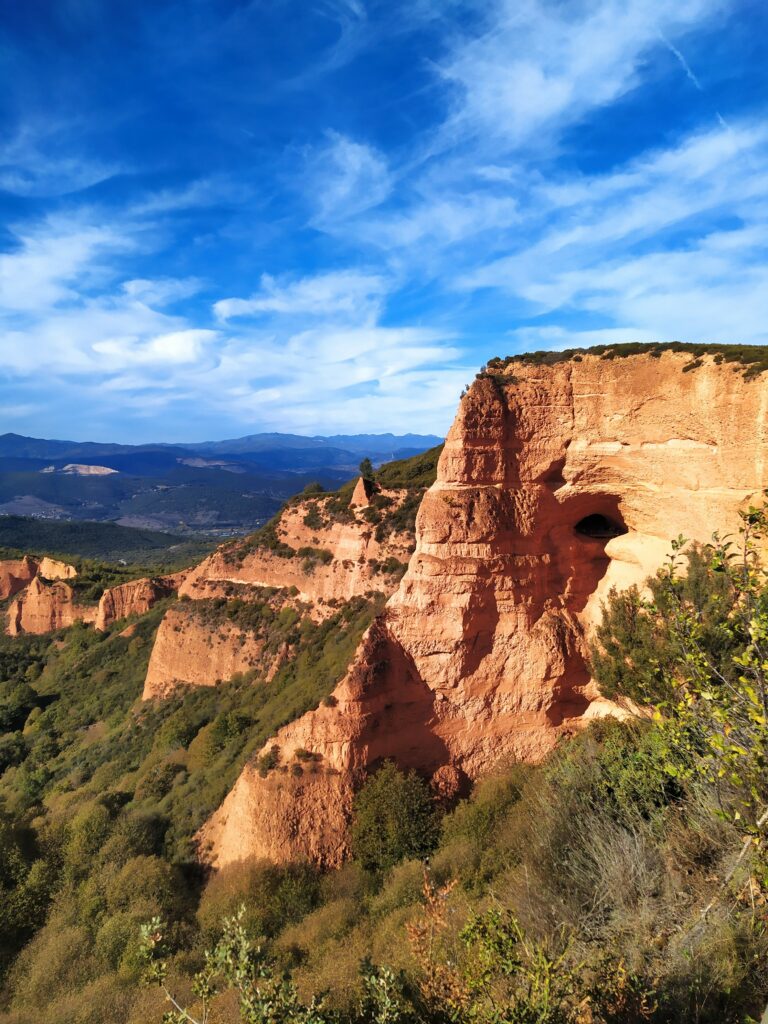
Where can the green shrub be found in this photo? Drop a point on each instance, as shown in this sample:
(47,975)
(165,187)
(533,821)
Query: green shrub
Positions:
(268,761)
(274,896)
(394,819)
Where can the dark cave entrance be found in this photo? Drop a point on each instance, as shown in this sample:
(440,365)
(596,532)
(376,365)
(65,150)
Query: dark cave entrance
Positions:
(599,527)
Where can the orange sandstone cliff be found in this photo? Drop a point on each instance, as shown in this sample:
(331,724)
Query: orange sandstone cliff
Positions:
(15,574)
(44,606)
(52,569)
(324,556)
(556,482)
(133,598)
(44,601)
(319,553)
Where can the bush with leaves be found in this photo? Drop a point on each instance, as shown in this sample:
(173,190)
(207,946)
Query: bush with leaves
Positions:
(265,994)
(697,652)
(394,819)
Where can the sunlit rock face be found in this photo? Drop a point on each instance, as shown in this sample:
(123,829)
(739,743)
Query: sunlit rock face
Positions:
(557,482)
(45,606)
(186,653)
(15,574)
(134,598)
(44,601)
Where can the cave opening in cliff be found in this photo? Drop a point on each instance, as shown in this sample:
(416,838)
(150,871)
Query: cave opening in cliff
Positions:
(599,527)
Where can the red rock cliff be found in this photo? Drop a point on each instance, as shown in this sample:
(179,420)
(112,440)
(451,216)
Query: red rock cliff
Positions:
(556,482)
(133,598)
(345,565)
(43,607)
(15,575)
(45,602)
(326,558)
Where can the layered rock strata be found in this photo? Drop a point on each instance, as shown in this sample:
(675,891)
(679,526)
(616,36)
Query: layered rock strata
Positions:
(189,652)
(42,607)
(320,556)
(133,598)
(45,601)
(557,482)
(326,557)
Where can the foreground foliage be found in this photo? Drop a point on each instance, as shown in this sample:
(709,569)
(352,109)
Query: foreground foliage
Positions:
(622,881)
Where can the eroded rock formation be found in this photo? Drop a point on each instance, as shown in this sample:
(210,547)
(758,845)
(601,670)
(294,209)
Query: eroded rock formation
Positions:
(556,483)
(319,556)
(44,601)
(42,607)
(133,598)
(52,569)
(15,574)
(324,555)
(190,652)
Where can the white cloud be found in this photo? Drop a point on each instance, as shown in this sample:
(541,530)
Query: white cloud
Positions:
(320,358)
(537,66)
(478,210)
(344,293)
(324,379)
(161,291)
(344,178)
(40,161)
(53,262)
(643,247)
(199,193)
(170,350)
(441,221)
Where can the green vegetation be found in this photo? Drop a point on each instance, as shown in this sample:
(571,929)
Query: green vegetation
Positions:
(753,359)
(567,893)
(414,475)
(418,471)
(394,819)
(104,542)
(623,880)
(264,539)
(101,795)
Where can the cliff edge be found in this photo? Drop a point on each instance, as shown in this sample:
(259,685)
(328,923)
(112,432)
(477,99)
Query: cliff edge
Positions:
(558,481)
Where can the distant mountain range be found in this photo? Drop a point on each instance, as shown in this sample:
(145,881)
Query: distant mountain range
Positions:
(214,487)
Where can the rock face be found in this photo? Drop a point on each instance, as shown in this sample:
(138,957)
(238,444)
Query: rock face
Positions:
(325,558)
(556,483)
(133,598)
(318,559)
(51,569)
(189,652)
(43,607)
(15,575)
(44,601)
(361,496)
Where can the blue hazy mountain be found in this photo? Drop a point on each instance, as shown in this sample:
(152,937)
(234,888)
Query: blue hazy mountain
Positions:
(212,486)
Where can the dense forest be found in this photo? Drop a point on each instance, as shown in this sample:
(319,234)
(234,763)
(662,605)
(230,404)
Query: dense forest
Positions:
(623,880)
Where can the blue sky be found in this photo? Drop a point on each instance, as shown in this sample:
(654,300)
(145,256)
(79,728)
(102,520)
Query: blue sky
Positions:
(219,217)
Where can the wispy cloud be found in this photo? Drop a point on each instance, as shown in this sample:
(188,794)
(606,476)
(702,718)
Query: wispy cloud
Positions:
(339,294)
(319,359)
(327,235)
(344,178)
(55,261)
(42,160)
(538,66)
(682,61)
